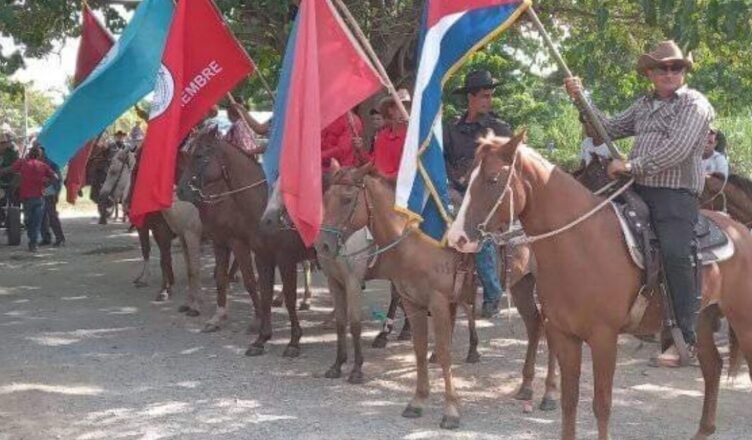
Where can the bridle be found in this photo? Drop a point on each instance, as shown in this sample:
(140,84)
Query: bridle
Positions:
(214,198)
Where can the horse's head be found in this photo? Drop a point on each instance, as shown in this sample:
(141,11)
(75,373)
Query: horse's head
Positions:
(495,194)
(346,208)
(118,178)
(204,165)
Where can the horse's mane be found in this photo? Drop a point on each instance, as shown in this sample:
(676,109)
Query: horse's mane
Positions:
(741,182)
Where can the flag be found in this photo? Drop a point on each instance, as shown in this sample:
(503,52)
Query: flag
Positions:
(450,32)
(324,75)
(95,43)
(202,62)
(125,75)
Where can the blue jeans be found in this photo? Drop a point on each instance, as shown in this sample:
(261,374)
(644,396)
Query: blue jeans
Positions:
(33,214)
(487,265)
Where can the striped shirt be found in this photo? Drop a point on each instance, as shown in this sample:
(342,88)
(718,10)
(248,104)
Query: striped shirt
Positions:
(669,138)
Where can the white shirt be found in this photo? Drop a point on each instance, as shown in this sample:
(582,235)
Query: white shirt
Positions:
(716,163)
(588,150)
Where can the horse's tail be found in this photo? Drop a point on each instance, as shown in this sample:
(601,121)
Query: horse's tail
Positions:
(735,354)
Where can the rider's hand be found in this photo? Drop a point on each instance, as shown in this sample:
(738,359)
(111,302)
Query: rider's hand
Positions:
(618,168)
(358,143)
(573,86)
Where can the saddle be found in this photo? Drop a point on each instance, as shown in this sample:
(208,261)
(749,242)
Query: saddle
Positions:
(712,245)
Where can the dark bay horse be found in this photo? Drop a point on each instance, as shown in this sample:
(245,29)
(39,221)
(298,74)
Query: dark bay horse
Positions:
(232,193)
(425,276)
(587,281)
(732,195)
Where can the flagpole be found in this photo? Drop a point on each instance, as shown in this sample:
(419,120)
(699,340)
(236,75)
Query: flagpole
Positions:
(580,101)
(366,45)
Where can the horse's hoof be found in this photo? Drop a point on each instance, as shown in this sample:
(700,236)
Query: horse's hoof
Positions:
(525,393)
(450,422)
(412,412)
(304,306)
(277,302)
(472,358)
(192,313)
(254,351)
(548,404)
(291,352)
(183,309)
(356,377)
(380,341)
(433,359)
(210,328)
(405,335)
(333,373)
(162,296)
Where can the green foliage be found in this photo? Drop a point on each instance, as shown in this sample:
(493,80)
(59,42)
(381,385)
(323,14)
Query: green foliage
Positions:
(12,106)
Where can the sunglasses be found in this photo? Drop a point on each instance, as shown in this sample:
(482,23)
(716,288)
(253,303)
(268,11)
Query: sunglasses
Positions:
(666,68)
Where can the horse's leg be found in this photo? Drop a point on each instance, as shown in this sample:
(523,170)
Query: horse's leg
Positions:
(549,402)
(221,261)
(441,312)
(305,305)
(338,292)
(143,238)
(191,241)
(603,348)
(354,294)
(265,267)
(289,273)
(452,320)
(712,367)
(405,334)
(163,236)
(388,324)
(473,357)
(419,317)
(245,261)
(524,300)
(234,268)
(568,350)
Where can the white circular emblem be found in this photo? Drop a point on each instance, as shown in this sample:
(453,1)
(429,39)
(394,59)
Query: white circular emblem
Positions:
(164,90)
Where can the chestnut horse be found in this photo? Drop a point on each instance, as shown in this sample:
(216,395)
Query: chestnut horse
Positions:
(587,281)
(424,275)
(232,193)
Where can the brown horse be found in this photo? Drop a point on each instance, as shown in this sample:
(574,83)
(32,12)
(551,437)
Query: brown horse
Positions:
(587,281)
(732,195)
(232,194)
(424,275)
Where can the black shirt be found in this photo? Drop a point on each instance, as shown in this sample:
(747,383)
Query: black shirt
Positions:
(461,141)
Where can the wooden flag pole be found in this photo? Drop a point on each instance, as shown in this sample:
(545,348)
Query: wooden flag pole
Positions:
(366,45)
(581,102)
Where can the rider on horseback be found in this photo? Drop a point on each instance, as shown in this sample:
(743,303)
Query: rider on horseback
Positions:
(670,126)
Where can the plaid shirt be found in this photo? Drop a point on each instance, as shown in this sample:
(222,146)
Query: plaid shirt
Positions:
(669,138)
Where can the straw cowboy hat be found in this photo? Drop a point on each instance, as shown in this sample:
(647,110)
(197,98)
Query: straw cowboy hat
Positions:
(477,80)
(388,100)
(664,52)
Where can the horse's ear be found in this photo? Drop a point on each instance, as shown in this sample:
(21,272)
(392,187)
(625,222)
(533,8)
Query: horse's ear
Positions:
(364,170)
(334,166)
(518,139)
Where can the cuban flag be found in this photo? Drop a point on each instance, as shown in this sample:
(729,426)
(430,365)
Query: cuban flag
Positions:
(450,32)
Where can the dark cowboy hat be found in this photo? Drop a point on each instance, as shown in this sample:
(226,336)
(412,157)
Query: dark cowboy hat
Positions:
(388,100)
(477,80)
(665,52)
(120,133)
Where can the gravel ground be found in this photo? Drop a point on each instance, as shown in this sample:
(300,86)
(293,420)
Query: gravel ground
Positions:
(85,355)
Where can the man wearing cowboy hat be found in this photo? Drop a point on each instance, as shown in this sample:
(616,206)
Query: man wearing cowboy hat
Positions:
(460,142)
(390,140)
(670,126)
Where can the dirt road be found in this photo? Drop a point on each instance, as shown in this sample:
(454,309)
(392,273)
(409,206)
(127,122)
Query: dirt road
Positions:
(85,355)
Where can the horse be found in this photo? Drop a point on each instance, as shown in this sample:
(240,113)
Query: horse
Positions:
(587,286)
(732,194)
(117,184)
(231,193)
(180,220)
(426,277)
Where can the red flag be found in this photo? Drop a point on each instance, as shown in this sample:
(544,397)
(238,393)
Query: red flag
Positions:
(95,43)
(329,76)
(202,61)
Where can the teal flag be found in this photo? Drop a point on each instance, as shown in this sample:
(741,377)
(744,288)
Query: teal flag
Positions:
(124,76)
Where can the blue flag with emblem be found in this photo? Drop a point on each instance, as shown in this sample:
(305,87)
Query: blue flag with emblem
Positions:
(125,75)
(450,32)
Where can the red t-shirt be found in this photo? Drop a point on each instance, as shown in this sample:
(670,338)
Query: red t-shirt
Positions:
(35,176)
(387,150)
(337,141)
